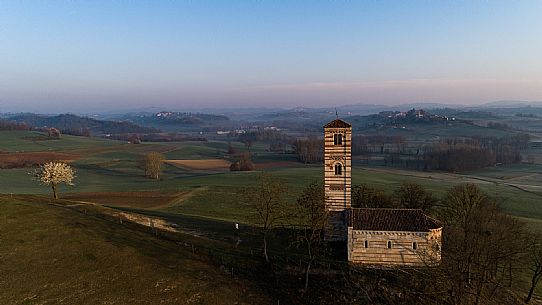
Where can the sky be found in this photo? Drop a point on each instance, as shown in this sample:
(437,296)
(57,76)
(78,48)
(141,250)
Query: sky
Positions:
(61,56)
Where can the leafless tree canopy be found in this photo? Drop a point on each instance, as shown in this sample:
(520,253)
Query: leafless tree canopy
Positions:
(244,163)
(413,196)
(153,162)
(313,216)
(268,201)
(309,150)
(483,246)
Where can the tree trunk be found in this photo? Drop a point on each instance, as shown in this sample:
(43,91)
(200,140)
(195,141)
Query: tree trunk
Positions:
(307,275)
(530,295)
(534,282)
(265,248)
(55,194)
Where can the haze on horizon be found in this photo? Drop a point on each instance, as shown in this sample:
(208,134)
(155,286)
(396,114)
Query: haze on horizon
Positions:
(60,56)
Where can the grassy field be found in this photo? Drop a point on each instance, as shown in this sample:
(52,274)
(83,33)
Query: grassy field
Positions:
(203,164)
(103,263)
(53,255)
(22,141)
(112,166)
(141,200)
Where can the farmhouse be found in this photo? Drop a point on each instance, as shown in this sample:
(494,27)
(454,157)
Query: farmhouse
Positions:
(373,236)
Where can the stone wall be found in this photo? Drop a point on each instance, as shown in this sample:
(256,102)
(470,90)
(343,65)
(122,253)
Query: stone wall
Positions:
(407,248)
(336,226)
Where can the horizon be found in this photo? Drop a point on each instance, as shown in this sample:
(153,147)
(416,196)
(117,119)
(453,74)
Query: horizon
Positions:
(59,57)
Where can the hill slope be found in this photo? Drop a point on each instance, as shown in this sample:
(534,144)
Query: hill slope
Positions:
(53,255)
(70,123)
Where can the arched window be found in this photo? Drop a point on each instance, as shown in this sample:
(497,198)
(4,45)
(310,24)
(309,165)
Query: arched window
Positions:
(366,244)
(338,139)
(389,244)
(415,246)
(338,169)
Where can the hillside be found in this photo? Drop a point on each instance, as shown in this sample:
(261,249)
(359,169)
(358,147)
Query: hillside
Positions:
(73,124)
(180,121)
(54,255)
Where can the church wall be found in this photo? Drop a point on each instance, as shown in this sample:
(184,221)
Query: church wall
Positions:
(401,252)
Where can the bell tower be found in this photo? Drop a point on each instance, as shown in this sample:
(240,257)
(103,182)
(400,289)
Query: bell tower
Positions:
(338,176)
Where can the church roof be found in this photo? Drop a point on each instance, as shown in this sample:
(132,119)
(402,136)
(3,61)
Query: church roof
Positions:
(337,123)
(406,220)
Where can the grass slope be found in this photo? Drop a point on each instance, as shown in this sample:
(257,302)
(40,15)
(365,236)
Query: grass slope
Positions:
(52,255)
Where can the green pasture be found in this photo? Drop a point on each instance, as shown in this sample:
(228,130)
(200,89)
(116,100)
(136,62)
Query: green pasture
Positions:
(509,172)
(29,141)
(218,194)
(51,254)
(113,166)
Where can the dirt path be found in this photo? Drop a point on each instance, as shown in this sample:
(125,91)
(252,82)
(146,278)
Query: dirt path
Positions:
(153,200)
(182,197)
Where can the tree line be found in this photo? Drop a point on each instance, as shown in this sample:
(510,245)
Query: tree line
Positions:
(485,252)
(449,154)
(9,125)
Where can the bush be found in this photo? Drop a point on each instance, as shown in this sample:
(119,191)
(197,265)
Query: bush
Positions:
(243,164)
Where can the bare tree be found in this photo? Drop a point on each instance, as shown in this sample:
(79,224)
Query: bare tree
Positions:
(54,173)
(152,162)
(248,139)
(244,163)
(481,245)
(535,264)
(53,133)
(309,150)
(413,196)
(313,218)
(134,139)
(268,200)
(364,196)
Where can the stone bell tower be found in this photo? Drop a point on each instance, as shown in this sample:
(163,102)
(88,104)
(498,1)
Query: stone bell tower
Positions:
(338,176)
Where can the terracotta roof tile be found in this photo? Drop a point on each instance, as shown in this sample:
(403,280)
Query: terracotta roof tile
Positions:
(338,123)
(409,220)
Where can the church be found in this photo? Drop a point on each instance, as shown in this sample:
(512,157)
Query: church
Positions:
(378,236)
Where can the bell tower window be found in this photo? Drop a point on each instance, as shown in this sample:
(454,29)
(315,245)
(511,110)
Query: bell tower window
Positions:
(338,169)
(338,139)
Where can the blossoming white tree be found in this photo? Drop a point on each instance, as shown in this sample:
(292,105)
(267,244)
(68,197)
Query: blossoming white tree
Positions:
(53,173)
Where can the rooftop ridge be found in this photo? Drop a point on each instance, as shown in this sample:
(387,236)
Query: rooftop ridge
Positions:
(390,219)
(338,123)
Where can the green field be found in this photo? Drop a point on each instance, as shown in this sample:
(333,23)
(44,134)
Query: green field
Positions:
(102,262)
(113,166)
(50,255)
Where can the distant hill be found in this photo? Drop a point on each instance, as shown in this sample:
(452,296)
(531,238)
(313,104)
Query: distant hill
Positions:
(69,123)
(188,118)
(512,104)
(390,118)
(179,121)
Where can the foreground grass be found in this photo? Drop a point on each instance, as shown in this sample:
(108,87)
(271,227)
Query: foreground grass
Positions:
(52,255)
